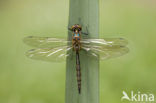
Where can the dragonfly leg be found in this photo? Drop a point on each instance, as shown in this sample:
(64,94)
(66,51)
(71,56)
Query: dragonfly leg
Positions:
(85,33)
(69,29)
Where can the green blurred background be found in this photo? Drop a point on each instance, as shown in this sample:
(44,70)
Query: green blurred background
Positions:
(23,80)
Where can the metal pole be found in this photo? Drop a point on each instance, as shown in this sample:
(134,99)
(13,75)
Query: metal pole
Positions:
(85,13)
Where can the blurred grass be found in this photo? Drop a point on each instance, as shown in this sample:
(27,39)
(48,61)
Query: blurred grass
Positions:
(23,80)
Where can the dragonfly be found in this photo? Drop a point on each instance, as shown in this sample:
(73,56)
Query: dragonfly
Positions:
(58,49)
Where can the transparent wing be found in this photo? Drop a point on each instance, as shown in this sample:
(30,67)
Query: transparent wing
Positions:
(105,52)
(45,42)
(106,42)
(50,54)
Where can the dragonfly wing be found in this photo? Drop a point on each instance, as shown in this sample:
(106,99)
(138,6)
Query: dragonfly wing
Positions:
(45,42)
(106,42)
(105,52)
(57,54)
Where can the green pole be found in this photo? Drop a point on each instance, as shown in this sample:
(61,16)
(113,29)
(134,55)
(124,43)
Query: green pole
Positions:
(85,13)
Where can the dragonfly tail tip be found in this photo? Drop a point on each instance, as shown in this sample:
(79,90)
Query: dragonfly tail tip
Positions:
(79,91)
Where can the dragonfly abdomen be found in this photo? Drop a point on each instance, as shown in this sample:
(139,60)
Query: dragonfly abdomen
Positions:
(78,69)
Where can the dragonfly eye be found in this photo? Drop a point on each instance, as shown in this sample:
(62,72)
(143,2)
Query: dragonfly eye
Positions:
(80,29)
(73,29)
(76,27)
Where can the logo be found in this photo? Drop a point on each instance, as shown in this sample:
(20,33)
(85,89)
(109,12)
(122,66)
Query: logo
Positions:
(138,97)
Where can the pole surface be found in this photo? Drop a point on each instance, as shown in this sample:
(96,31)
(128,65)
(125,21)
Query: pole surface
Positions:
(85,13)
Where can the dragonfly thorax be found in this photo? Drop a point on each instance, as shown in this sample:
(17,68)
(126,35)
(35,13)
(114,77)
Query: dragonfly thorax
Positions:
(76,36)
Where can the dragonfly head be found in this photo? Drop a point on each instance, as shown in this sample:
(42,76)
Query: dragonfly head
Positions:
(76,28)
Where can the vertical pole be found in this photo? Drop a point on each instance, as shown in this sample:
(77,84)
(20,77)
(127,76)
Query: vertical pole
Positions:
(85,13)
